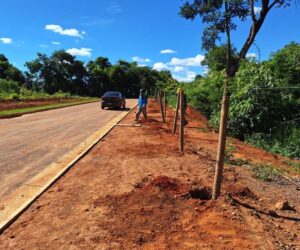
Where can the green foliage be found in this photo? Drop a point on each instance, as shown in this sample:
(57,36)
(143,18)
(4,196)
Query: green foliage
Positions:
(216,58)
(265,172)
(10,90)
(205,94)
(262,111)
(8,87)
(62,72)
(295,166)
(59,72)
(257,106)
(218,15)
(285,64)
(9,72)
(285,141)
(172,100)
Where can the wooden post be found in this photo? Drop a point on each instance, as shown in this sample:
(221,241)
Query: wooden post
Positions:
(176,114)
(221,148)
(161,106)
(181,131)
(165,104)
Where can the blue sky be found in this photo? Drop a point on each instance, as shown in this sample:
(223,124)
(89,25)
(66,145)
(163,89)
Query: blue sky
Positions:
(150,32)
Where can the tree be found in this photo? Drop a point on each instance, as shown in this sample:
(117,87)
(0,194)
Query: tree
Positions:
(285,64)
(98,80)
(198,77)
(216,58)
(220,17)
(205,93)
(257,104)
(60,72)
(9,72)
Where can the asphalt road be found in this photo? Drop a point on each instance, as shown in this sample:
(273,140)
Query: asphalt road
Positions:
(28,144)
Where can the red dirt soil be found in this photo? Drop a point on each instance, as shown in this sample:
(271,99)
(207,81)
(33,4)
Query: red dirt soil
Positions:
(134,190)
(8,105)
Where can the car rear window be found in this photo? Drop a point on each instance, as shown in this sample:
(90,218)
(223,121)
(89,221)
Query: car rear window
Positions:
(112,94)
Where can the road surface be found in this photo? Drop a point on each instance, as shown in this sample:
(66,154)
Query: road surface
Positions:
(28,144)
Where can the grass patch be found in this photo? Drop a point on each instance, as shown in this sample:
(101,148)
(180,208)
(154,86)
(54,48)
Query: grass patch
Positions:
(294,165)
(265,172)
(16,112)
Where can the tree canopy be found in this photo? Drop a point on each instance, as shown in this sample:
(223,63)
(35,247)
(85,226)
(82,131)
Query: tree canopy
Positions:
(216,58)
(9,72)
(221,17)
(63,72)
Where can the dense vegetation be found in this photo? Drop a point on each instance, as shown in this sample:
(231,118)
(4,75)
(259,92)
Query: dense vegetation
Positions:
(265,99)
(63,73)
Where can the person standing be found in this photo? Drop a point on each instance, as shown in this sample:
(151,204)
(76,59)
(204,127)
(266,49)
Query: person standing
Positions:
(142,105)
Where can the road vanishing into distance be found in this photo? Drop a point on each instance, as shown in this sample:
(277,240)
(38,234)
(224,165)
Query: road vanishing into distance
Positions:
(30,143)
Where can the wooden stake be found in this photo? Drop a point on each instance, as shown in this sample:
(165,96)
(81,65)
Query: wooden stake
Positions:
(181,134)
(165,104)
(176,114)
(161,106)
(221,148)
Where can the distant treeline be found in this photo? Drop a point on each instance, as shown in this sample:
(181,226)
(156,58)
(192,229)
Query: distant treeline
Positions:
(62,72)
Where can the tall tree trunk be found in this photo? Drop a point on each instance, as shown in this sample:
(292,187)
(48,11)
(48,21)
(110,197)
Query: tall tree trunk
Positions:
(224,115)
(221,148)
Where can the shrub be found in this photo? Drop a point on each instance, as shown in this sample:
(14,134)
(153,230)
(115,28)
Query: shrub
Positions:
(9,87)
(265,172)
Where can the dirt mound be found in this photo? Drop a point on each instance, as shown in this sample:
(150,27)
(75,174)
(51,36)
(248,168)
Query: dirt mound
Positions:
(167,214)
(169,185)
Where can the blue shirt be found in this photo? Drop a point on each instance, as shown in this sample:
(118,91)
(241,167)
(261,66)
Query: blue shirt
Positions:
(142,101)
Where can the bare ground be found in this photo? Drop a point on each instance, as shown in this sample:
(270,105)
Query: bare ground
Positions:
(134,190)
(10,104)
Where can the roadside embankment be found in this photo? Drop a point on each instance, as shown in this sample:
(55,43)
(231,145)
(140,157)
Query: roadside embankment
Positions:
(134,190)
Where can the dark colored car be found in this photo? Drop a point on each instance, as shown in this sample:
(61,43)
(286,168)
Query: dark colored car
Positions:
(113,99)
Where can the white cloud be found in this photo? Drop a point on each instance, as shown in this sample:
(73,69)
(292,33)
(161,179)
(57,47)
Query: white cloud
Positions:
(159,66)
(179,69)
(251,55)
(187,76)
(66,32)
(80,52)
(56,43)
(140,60)
(257,10)
(168,51)
(192,61)
(44,46)
(6,40)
